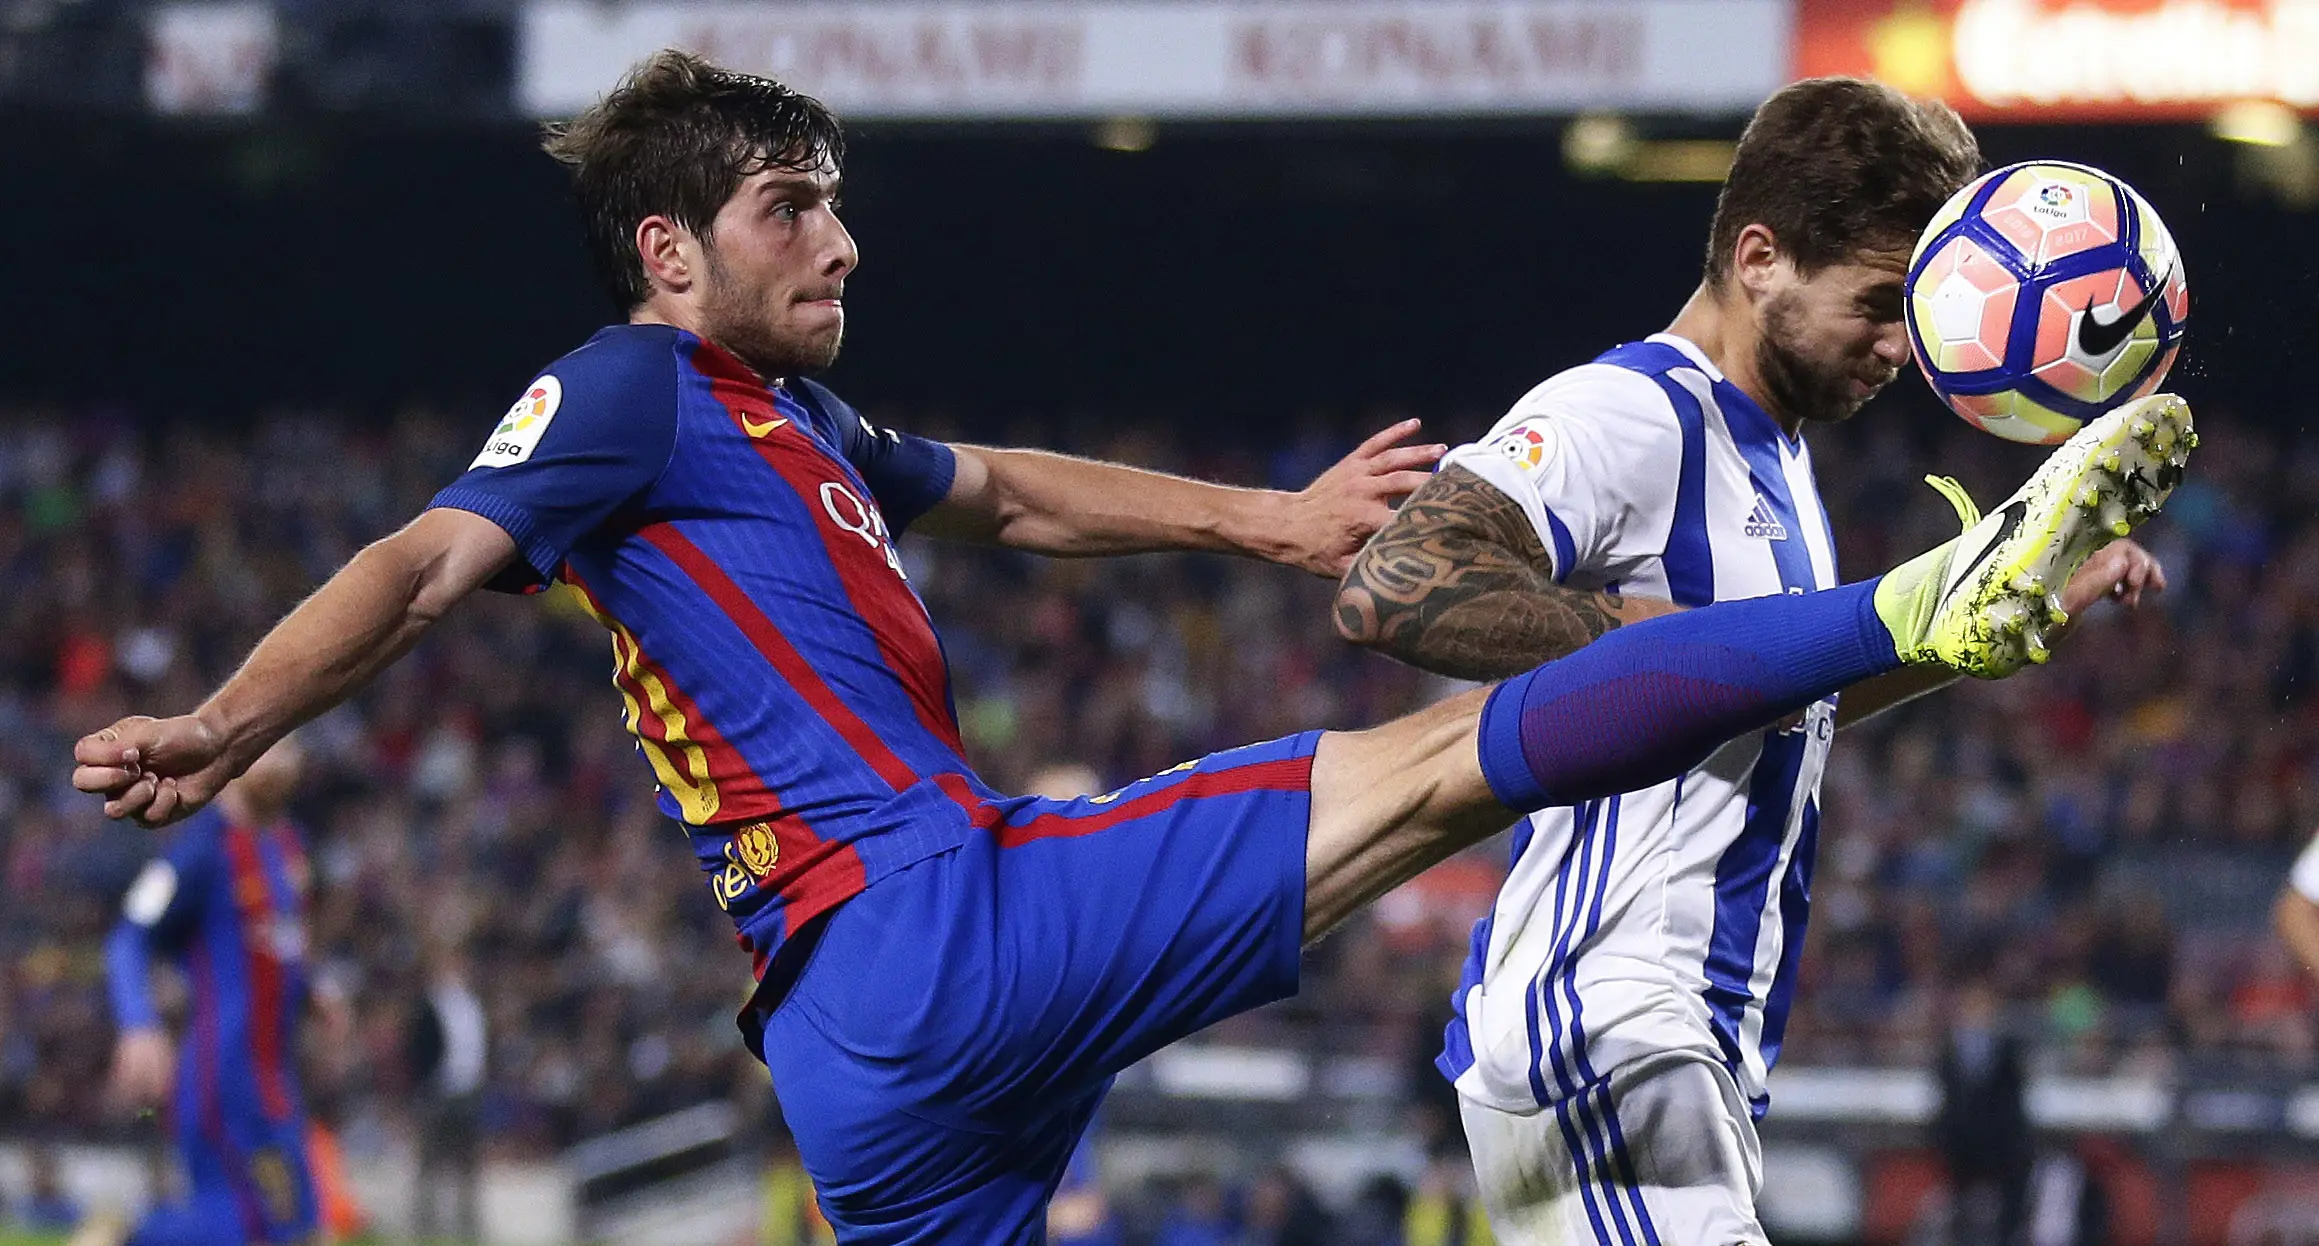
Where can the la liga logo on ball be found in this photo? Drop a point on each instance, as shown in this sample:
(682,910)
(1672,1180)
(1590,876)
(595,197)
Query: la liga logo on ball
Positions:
(2042,296)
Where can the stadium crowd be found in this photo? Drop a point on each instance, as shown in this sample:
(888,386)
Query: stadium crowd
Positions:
(2098,841)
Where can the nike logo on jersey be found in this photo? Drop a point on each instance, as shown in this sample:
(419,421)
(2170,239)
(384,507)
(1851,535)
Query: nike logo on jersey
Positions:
(1761,522)
(2097,338)
(757,429)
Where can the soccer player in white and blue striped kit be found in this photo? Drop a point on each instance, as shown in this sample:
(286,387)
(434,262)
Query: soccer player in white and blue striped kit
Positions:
(1624,1002)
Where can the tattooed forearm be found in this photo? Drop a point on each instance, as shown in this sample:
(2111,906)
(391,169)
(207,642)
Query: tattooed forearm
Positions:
(1457,583)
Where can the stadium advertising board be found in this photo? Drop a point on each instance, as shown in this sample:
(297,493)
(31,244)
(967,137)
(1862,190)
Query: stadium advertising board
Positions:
(208,58)
(1301,58)
(2071,59)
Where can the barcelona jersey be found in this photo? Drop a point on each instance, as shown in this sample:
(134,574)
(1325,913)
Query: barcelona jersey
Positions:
(981,965)
(226,902)
(776,667)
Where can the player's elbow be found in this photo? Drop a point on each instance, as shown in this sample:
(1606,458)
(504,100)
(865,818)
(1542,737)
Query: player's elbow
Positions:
(393,573)
(2295,917)
(1357,611)
(426,608)
(438,559)
(2291,916)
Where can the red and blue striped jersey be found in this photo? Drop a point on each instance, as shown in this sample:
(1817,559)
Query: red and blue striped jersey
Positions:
(778,671)
(227,902)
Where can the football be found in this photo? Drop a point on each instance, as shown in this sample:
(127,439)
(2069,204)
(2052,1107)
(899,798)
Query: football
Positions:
(2041,296)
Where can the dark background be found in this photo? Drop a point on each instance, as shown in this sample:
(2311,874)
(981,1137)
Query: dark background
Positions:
(1240,273)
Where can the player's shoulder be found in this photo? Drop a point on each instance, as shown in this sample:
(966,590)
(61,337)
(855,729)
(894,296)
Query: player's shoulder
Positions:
(618,388)
(1656,356)
(1596,386)
(623,361)
(1596,395)
(837,418)
(809,390)
(822,402)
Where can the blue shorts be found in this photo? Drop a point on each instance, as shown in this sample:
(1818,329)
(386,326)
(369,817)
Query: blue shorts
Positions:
(247,1182)
(956,1024)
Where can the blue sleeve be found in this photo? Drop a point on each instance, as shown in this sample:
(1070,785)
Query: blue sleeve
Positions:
(160,909)
(588,436)
(128,976)
(907,474)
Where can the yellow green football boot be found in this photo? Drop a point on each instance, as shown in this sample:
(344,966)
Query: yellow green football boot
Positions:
(1984,603)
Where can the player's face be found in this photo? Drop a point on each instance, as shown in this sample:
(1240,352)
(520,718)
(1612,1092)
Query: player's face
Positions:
(777,262)
(1832,340)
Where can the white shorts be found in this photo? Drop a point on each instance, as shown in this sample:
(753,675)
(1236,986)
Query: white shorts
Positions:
(1668,1157)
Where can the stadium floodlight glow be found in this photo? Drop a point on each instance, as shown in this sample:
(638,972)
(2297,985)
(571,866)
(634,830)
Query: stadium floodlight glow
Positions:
(1126,134)
(1598,144)
(2262,123)
(1681,160)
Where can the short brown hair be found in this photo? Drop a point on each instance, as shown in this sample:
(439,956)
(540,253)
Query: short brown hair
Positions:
(674,139)
(1835,167)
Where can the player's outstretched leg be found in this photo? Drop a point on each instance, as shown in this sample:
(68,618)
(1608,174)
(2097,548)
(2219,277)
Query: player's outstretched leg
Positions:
(1649,702)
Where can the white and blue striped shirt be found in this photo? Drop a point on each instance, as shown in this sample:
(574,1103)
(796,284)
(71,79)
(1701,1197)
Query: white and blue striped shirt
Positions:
(1671,918)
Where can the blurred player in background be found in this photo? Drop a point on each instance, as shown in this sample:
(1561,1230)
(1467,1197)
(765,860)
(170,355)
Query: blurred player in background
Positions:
(948,977)
(1624,1001)
(2296,913)
(226,902)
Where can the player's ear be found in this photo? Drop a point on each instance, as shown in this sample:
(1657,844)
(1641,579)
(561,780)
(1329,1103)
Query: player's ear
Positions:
(1756,259)
(668,253)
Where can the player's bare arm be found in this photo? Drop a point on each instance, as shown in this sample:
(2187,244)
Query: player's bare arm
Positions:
(1457,583)
(1070,507)
(144,1067)
(2296,919)
(157,770)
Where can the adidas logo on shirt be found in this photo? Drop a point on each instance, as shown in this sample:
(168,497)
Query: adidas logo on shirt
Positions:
(1761,522)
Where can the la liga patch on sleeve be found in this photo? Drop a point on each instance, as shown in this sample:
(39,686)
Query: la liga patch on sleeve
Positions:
(150,895)
(519,432)
(1524,443)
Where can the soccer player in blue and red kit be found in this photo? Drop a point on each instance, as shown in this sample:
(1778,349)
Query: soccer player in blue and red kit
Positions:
(225,901)
(948,977)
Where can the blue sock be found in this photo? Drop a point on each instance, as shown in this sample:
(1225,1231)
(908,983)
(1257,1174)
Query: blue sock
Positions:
(1649,702)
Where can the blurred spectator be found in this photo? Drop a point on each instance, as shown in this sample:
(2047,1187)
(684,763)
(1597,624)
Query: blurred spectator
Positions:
(2070,1199)
(792,1216)
(1445,1209)
(2109,826)
(1283,1212)
(1198,1217)
(1983,1126)
(1063,781)
(45,1208)
(1080,1214)
(1378,1214)
(447,1048)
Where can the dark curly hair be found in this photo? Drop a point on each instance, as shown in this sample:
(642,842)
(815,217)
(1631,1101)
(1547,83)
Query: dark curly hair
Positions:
(1836,167)
(675,139)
